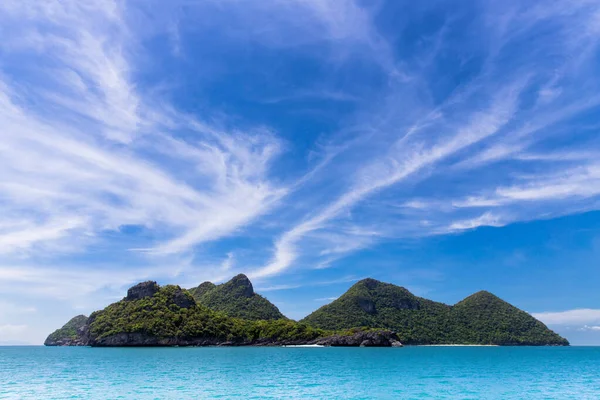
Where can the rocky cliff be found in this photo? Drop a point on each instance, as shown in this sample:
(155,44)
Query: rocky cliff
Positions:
(362,338)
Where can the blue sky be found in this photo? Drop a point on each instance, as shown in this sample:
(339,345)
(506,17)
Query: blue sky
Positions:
(447,147)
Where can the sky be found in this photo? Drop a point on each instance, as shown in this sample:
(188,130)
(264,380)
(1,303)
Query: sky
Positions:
(447,147)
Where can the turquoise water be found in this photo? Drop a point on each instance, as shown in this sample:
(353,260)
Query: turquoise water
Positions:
(327,373)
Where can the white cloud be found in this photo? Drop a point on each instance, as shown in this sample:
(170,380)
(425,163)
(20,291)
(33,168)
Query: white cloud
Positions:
(473,201)
(583,316)
(351,21)
(22,239)
(277,287)
(326,299)
(404,160)
(88,39)
(9,332)
(483,124)
(88,149)
(105,157)
(12,309)
(74,283)
(89,283)
(581,182)
(272,288)
(228,263)
(590,328)
(486,219)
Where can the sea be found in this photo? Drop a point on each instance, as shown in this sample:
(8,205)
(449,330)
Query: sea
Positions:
(38,372)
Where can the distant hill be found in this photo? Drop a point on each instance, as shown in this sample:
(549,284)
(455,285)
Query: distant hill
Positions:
(153,315)
(370,313)
(479,319)
(236,298)
(70,334)
(485,318)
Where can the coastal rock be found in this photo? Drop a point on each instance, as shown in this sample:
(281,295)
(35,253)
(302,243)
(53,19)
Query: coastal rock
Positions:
(139,339)
(372,338)
(141,290)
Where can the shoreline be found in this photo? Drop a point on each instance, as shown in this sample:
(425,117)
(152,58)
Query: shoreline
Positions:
(458,345)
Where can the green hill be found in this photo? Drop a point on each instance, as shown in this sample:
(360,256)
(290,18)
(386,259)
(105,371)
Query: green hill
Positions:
(70,334)
(151,315)
(369,313)
(236,298)
(485,318)
(479,319)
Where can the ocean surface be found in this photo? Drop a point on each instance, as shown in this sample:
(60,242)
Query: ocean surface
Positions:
(295,373)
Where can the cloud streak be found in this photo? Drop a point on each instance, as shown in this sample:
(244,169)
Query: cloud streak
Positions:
(583,316)
(87,168)
(404,160)
(483,124)
(195,140)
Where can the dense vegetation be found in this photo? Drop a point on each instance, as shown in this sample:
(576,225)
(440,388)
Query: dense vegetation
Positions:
(484,318)
(161,316)
(169,315)
(236,298)
(479,319)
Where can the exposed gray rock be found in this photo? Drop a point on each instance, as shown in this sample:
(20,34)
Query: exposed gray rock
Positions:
(141,290)
(140,339)
(183,299)
(374,338)
(367,305)
(241,285)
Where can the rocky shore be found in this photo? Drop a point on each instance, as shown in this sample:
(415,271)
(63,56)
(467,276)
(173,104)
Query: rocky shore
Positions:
(367,338)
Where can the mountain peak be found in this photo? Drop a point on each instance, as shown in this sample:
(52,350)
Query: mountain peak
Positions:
(374,284)
(484,293)
(369,283)
(240,285)
(481,318)
(201,289)
(141,290)
(236,298)
(481,297)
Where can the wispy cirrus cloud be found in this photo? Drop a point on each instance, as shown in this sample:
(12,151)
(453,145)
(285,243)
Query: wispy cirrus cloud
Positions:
(106,156)
(407,157)
(459,136)
(133,160)
(194,140)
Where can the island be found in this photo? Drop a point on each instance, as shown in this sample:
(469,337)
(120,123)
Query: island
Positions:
(370,313)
